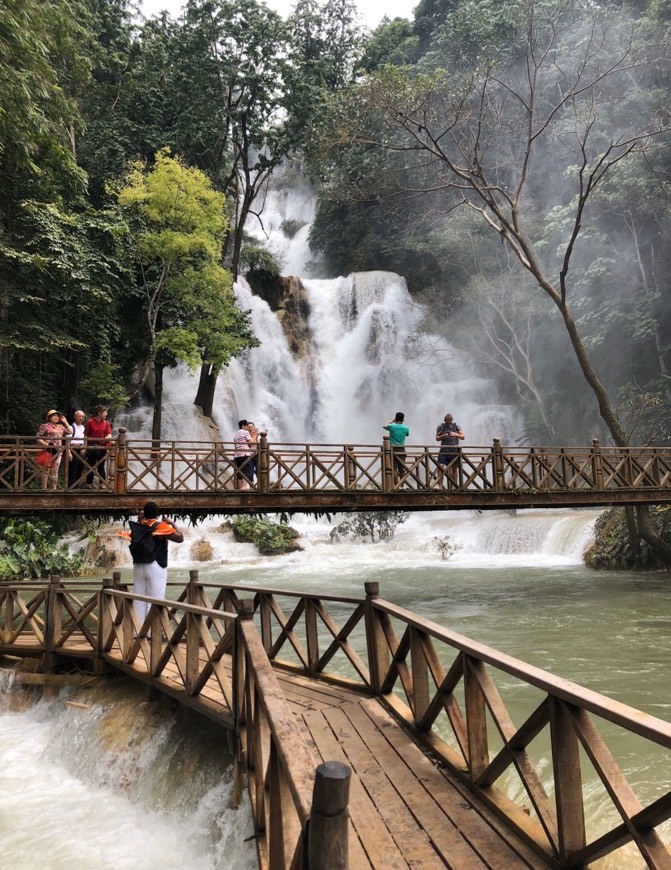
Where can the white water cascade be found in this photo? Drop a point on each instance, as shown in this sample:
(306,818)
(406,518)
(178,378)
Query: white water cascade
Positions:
(100,778)
(370,354)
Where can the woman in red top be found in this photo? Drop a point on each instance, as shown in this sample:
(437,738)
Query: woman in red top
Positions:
(97,433)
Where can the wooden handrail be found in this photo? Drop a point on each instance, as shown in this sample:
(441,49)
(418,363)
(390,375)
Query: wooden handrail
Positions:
(403,662)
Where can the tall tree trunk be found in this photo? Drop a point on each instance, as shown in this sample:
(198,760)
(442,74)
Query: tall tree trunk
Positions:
(158,405)
(650,534)
(206,387)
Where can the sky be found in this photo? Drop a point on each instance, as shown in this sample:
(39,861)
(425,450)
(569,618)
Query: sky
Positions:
(372,11)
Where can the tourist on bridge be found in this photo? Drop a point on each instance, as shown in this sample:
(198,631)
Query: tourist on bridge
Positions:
(50,436)
(97,432)
(76,454)
(449,434)
(398,432)
(149,538)
(242,455)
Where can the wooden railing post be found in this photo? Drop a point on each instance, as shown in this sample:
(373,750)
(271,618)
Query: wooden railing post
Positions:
(245,612)
(387,467)
(420,676)
(350,467)
(263,463)
(568,780)
(597,464)
(327,829)
(52,622)
(378,651)
(476,718)
(104,618)
(121,463)
(499,474)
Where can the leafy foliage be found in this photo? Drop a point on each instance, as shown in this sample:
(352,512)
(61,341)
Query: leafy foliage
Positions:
(376,525)
(30,550)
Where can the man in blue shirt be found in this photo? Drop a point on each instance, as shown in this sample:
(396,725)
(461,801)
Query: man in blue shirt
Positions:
(398,432)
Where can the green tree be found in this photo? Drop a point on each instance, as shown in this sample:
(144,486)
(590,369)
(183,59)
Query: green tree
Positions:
(178,223)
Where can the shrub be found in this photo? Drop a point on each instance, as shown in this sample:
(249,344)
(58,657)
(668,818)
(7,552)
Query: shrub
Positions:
(378,525)
(29,550)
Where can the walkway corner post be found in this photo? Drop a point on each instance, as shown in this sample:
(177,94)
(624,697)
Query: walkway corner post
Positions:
(378,651)
(387,473)
(121,463)
(264,463)
(597,464)
(497,458)
(327,829)
(52,621)
(350,467)
(194,590)
(245,613)
(104,617)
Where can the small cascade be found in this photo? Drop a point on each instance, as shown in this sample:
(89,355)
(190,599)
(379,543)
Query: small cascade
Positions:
(105,779)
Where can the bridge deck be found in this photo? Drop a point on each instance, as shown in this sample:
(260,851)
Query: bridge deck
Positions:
(404,810)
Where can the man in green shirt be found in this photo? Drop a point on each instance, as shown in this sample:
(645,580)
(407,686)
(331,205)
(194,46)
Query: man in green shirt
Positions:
(398,432)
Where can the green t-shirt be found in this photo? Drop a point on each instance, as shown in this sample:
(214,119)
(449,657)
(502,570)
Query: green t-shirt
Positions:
(398,432)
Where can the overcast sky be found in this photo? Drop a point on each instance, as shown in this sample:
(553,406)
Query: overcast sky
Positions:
(372,11)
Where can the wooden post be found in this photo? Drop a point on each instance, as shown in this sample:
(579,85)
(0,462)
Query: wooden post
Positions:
(328,824)
(263,463)
(52,622)
(420,675)
(476,719)
(104,618)
(378,651)
(121,463)
(597,464)
(311,634)
(350,467)
(568,780)
(116,579)
(497,458)
(387,468)
(245,611)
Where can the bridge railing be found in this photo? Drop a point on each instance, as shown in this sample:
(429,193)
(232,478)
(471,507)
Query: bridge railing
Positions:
(135,466)
(455,694)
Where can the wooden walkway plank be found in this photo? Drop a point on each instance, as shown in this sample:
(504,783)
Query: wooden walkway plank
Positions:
(432,794)
(367,827)
(410,839)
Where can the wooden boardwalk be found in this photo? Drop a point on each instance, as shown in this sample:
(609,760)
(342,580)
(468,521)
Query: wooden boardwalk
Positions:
(192,477)
(414,713)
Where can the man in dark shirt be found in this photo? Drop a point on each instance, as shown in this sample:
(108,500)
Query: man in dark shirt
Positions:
(449,434)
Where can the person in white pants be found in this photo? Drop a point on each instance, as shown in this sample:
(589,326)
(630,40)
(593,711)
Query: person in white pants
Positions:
(151,578)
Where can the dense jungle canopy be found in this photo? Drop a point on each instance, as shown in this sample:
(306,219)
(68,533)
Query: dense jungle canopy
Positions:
(510,158)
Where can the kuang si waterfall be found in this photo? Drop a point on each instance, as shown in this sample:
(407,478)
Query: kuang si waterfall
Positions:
(143,786)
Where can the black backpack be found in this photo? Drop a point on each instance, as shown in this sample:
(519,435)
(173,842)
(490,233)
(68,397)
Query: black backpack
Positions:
(142,543)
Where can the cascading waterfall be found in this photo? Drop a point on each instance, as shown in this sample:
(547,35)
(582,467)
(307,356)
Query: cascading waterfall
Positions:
(368,354)
(105,780)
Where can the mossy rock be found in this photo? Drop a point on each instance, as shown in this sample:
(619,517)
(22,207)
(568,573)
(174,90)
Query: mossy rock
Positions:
(271,539)
(612,549)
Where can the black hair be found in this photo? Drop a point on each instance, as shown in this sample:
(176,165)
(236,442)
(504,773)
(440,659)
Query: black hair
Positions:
(242,423)
(150,510)
(400,417)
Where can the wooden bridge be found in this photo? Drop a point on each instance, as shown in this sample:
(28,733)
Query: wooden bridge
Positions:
(188,477)
(369,736)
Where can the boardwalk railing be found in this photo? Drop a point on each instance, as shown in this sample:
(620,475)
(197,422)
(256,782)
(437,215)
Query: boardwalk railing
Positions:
(452,693)
(195,653)
(146,467)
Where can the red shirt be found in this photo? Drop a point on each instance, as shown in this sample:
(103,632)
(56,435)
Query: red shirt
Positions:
(98,429)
